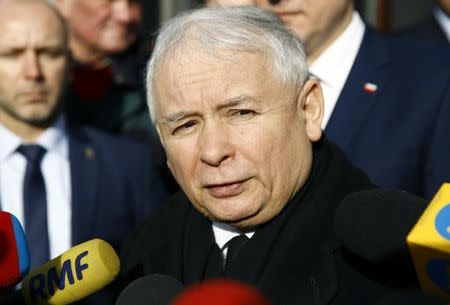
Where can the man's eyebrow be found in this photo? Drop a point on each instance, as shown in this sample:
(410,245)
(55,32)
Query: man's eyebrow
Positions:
(174,117)
(237,100)
(229,103)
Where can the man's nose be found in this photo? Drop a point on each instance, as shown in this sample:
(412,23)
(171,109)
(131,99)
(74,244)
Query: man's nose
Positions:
(32,67)
(123,11)
(215,145)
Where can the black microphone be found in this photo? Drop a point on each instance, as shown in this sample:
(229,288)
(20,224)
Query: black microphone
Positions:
(153,289)
(409,298)
(373,225)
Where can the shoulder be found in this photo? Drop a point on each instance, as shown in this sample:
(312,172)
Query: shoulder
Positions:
(122,146)
(429,30)
(403,47)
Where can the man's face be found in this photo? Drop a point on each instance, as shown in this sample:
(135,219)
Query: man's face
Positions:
(102,26)
(316,22)
(237,142)
(33,64)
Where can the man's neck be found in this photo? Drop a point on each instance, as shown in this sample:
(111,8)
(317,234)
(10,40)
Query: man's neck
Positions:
(26,131)
(315,49)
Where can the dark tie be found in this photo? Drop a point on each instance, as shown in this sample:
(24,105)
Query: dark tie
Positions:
(35,205)
(234,245)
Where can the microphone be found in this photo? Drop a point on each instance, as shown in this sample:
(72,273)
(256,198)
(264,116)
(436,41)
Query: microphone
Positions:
(14,255)
(70,277)
(397,230)
(429,244)
(220,292)
(373,224)
(410,298)
(153,289)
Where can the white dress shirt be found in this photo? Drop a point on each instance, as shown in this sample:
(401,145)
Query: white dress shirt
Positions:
(333,66)
(56,171)
(443,20)
(223,233)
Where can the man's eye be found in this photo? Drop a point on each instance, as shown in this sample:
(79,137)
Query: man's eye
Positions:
(11,53)
(184,127)
(53,53)
(243,112)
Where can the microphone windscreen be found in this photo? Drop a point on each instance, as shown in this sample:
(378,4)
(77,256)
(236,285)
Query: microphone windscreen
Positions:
(220,292)
(14,255)
(153,289)
(373,224)
(410,298)
(72,276)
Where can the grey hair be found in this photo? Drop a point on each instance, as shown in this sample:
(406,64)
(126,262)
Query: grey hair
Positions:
(244,29)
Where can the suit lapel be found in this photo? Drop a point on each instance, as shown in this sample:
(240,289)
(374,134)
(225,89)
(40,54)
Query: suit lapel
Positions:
(356,99)
(83,169)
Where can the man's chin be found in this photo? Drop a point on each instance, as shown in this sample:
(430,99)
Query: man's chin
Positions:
(40,121)
(238,221)
(114,48)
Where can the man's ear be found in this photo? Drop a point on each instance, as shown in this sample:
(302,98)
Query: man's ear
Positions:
(311,103)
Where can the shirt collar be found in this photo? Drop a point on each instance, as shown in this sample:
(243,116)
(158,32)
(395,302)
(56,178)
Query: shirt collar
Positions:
(443,19)
(223,233)
(54,139)
(334,64)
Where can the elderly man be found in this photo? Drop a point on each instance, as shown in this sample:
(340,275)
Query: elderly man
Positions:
(240,121)
(106,88)
(380,108)
(65,183)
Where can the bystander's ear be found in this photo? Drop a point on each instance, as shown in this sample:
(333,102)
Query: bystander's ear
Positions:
(311,103)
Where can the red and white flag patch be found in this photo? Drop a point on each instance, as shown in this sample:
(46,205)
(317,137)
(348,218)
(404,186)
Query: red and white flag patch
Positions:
(370,88)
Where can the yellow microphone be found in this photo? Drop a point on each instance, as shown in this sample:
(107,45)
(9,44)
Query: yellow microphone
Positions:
(72,276)
(429,245)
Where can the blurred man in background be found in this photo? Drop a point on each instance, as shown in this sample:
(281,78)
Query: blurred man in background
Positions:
(387,101)
(106,88)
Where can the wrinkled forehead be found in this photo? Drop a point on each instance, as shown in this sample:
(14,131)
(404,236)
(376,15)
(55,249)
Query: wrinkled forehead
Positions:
(191,63)
(192,56)
(200,83)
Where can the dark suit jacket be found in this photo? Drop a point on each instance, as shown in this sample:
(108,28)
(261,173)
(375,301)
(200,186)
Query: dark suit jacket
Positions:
(398,134)
(293,259)
(116,183)
(429,30)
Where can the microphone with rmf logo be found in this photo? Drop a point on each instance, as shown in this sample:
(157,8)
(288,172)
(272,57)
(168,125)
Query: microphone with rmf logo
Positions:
(429,245)
(70,277)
